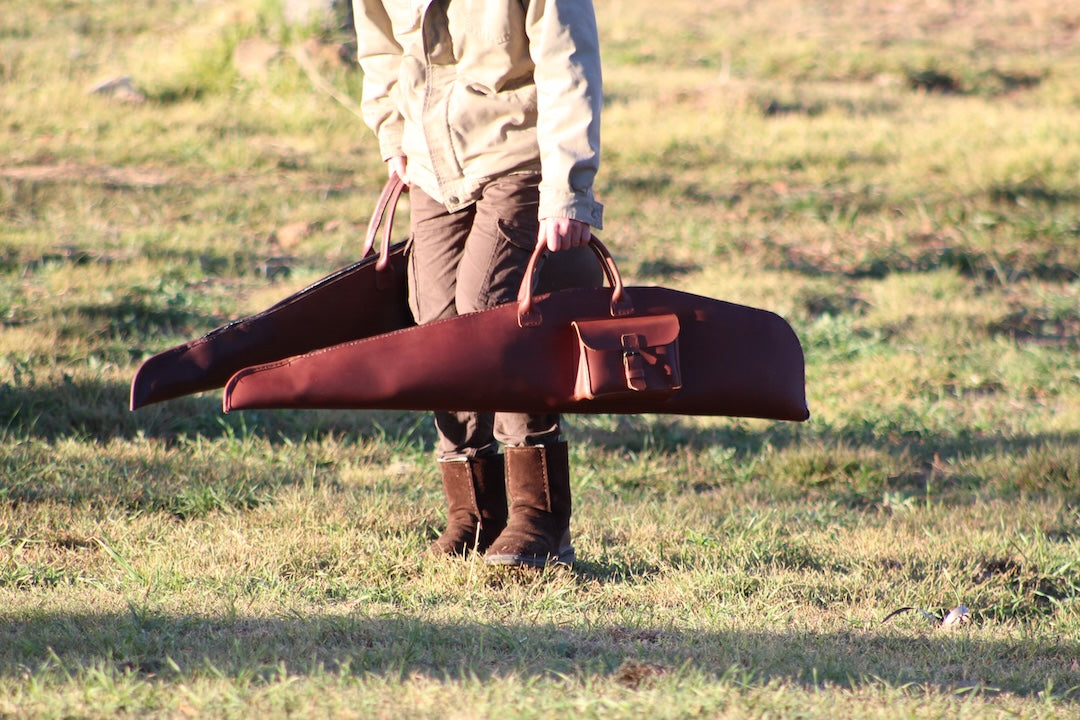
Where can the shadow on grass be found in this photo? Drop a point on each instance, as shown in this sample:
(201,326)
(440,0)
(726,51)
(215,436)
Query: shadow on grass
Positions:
(98,410)
(673,433)
(176,648)
(854,464)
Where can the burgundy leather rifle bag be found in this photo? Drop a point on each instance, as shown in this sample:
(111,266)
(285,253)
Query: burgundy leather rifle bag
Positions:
(365,298)
(586,350)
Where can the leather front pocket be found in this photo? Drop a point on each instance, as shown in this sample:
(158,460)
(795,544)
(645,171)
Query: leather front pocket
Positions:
(628,356)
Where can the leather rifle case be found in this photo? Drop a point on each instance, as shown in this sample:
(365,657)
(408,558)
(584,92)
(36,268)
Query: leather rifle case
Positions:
(363,299)
(586,350)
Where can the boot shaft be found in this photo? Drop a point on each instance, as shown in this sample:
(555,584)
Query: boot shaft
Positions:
(538,530)
(538,479)
(475,493)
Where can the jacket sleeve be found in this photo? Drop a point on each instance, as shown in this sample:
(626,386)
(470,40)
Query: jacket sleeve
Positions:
(565,49)
(379,55)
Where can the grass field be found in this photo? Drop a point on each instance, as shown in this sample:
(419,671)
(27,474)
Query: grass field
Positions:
(900,180)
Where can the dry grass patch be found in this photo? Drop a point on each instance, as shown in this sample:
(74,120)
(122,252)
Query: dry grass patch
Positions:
(898,180)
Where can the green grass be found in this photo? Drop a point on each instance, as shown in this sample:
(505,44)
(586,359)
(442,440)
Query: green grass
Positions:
(902,182)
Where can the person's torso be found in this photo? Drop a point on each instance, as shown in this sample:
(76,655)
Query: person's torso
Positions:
(467,93)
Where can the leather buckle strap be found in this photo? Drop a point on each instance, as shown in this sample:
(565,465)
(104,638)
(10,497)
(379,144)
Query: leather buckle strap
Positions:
(633,362)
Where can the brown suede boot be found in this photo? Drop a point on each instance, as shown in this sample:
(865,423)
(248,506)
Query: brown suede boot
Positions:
(538,532)
(475,491)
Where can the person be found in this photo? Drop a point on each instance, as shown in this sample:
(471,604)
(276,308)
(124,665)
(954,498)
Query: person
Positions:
(489,111)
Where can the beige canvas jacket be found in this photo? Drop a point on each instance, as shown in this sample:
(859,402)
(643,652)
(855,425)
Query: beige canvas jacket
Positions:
(470,90)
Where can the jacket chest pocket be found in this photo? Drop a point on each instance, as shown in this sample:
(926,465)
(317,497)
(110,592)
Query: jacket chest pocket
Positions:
(480,23)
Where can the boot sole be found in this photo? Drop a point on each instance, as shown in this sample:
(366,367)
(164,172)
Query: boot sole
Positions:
(565,557)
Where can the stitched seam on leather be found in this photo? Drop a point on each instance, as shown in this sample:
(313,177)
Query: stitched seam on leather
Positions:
(373,338)
(361,341)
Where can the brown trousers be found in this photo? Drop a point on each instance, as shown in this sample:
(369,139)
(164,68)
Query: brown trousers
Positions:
(471,260)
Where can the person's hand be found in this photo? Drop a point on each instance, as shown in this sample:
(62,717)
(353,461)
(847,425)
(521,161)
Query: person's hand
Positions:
(399,166)
(563,233)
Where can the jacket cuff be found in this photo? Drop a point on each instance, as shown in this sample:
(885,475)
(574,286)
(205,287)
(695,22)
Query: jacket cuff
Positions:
(390,143)
(577,206)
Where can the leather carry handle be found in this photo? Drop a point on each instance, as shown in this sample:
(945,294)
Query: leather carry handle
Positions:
(388,199)
(529,316)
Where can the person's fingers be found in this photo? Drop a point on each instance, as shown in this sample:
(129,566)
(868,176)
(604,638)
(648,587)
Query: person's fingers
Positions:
(547,236)
(399,165)
(581,234)
(563,233)
(555,239)
(575,232)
